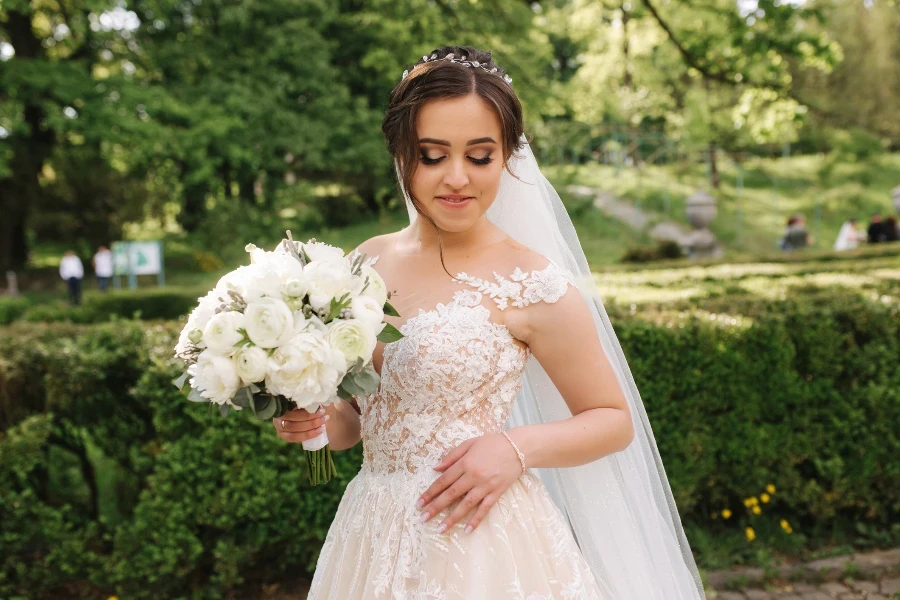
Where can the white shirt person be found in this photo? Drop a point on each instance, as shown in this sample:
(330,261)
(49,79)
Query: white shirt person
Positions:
(72,272)
(103,267)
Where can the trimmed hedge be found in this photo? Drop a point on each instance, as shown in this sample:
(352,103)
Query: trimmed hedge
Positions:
(164,304)
(113,479)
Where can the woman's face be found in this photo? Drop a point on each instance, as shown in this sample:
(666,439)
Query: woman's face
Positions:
(460,161)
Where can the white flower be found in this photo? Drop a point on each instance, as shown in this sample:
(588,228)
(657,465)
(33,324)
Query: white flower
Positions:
(376,288)
(353,337)
(328,280)
(250,363)
(306,369)
(269,322)
(198,319)
(317,251)
(215,377)
(294,288)
(369,311)
(252,281)
(221,333)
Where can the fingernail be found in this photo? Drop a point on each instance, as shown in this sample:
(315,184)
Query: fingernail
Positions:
(321,410)
(425,516)
(469,529)
(327,417)
(442,528)
(420,503)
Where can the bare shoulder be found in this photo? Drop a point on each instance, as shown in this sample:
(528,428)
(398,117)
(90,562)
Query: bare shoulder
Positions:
(378,245)
(518,256)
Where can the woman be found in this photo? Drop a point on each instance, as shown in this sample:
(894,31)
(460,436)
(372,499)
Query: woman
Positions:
(496,333)
(848,237)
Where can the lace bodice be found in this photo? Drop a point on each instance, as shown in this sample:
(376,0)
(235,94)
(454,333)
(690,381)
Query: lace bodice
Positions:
(454,375)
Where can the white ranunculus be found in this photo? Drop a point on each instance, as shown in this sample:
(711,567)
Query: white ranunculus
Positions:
(369,311)
(353,337)
(250,363)
(376,288)
(197,320)
(269,322)
(295,287)
(221,333)
(328,280)
(306,369)
(215,377)
(319,251)
(253,281)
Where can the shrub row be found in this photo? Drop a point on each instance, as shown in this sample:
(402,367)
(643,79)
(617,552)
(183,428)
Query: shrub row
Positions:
(110,479)
(96,308)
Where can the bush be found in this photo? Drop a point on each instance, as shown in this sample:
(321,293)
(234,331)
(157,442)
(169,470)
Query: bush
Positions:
(11,309)
(664,250)
(96,308)
(803,395)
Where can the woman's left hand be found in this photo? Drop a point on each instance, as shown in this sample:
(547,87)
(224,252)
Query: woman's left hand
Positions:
(479,470)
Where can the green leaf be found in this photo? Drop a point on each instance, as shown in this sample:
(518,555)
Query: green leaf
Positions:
(389,334)
(179,382)
(224,409)
(243,397)
(266,408)
(357,367)
(390,310)
(351,388)
(195,396)
(368,380)
(344,394)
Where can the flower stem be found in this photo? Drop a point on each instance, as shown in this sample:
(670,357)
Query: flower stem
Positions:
(320,466)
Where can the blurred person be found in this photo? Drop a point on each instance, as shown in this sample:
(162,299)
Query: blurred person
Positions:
(103,267)
(72,272)
(877,230)
(849,236)
(892,233)
(796,237)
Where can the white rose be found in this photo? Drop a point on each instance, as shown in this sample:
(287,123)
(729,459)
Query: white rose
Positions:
(376,288)
(198,319)
(327,281)
(306,369)
(215,377)
(221,334)
(317,251)
(354,338)
(250,363)
(269,322)
(367,310)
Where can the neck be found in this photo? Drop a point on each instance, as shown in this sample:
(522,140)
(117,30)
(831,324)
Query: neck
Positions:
(426,237)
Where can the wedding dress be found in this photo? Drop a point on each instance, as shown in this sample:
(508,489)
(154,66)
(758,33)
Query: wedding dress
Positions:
(453,377)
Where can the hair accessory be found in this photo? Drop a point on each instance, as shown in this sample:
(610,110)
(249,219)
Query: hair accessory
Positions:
(461,61)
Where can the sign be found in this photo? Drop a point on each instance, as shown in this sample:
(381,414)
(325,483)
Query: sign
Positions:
(138,258)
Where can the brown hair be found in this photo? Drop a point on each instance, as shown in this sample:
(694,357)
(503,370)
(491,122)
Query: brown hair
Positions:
(440,79)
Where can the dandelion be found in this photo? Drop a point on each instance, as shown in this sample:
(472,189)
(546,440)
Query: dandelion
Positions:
(751,535)
(726,514)
(786,526)
(770,488)
(752,501)
(765,498)
(756,510)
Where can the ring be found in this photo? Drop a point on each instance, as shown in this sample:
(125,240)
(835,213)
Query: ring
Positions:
(282,425)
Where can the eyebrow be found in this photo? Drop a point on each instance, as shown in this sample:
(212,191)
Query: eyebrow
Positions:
(482,140)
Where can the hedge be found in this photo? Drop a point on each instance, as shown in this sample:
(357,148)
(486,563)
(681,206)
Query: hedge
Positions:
(161,304)
(116,483)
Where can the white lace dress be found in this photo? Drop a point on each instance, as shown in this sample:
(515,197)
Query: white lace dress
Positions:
(453,377)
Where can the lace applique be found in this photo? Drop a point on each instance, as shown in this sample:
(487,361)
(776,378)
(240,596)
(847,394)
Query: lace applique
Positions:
(523,288)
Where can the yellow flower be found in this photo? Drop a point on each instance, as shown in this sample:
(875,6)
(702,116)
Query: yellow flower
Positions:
(770,488)
(726,514)
(751,535)
(764,497)
(786,526)
(756,510)
(113,598)
(752,501)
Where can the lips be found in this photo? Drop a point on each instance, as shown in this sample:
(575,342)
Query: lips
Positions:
(454,201)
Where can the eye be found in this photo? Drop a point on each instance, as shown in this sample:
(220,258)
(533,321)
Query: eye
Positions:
(482,161)
(430,161)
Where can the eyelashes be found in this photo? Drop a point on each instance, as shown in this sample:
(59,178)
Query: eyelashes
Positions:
(478,161)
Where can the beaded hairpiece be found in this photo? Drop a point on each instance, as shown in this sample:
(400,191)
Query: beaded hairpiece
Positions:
(462,61)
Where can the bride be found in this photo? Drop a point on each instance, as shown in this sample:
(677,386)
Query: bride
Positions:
(507,453)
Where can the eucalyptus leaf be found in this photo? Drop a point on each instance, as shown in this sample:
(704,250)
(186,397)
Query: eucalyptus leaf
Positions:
(390,310)
(344,394)
(195,396)
(268,411)
(357,366)
(389,334)
(260,403)
(243,398)
(224,410)
(351,387)
(368,380)
(179,383)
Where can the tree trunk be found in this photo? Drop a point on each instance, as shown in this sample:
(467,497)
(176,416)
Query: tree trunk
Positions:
(713,167)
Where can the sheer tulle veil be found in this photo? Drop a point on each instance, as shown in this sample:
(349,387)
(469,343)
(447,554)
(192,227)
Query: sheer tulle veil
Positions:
(620,508)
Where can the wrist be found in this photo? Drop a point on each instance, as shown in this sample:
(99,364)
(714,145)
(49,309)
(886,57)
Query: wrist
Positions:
(520,456)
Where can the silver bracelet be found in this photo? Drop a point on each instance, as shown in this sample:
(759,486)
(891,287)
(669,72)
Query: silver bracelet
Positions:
(516,448)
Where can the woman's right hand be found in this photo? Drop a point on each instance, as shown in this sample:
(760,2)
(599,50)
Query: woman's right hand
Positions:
(299,425)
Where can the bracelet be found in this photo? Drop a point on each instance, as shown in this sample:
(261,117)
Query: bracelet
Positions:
(516,448)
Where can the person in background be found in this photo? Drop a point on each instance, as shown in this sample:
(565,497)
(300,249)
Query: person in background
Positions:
(892,233)
(877,230)
(795,236)
(72,271)
(849,236)
(103,267)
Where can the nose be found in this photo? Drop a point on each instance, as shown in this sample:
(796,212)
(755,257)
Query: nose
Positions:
(456,176)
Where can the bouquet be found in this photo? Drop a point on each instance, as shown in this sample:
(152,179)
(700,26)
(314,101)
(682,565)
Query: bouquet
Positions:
(296,328)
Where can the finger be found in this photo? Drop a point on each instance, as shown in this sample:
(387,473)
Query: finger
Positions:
(439,485)
(454,455)
(294,438)
(301,414)
(469,503)
(486,504)
(283,425)
(457,489)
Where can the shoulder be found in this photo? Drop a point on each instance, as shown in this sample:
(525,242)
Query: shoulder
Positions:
(376,246)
